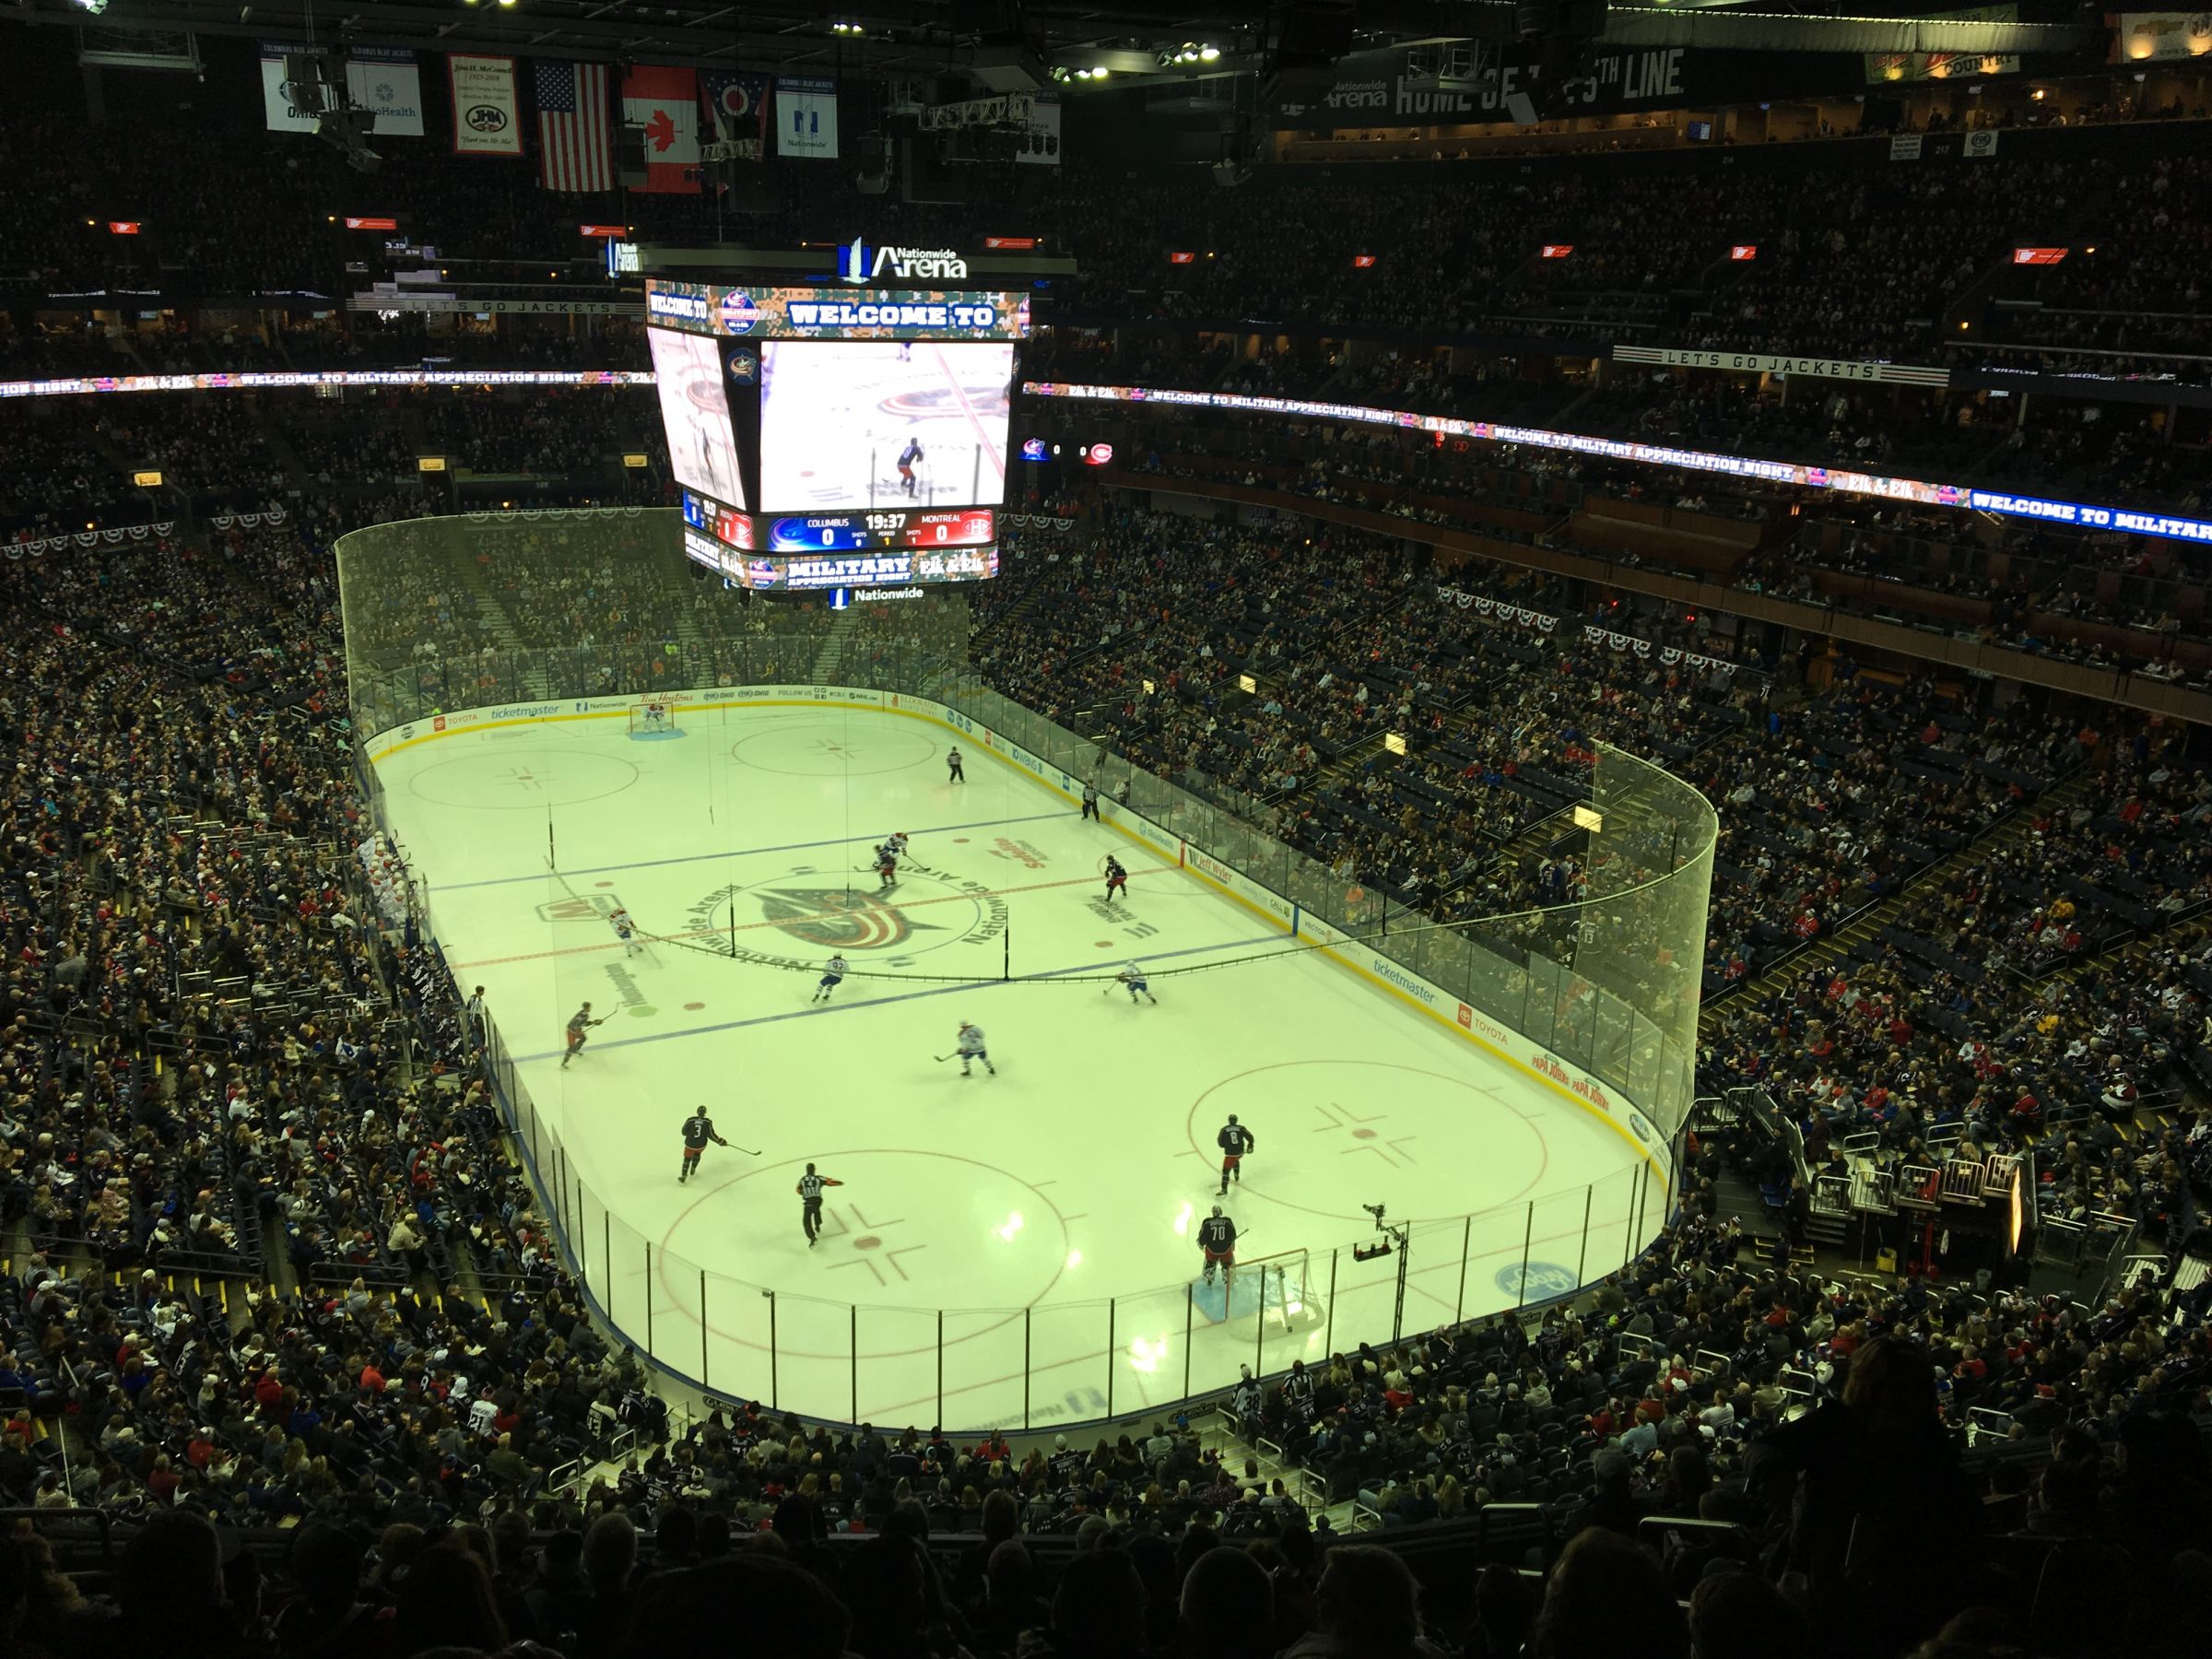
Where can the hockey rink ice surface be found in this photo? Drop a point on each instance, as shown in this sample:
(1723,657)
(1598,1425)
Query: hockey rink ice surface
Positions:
(1022,1241)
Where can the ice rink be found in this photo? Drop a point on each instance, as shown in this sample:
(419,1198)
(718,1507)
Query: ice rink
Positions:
(1002,1247)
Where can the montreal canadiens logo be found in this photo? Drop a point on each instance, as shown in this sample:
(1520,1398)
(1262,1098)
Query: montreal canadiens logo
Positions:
(740,315)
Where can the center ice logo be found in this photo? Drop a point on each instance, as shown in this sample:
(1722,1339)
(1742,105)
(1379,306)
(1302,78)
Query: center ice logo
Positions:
(797,918)
(833,919)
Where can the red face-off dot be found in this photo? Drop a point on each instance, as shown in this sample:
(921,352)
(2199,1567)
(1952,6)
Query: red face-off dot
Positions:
(693,1007)
(1363,1135)
(1105,944)
(960,840)
(870,1242)
(602,884)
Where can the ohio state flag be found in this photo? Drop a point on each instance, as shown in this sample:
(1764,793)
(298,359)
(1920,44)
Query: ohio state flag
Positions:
(664,101)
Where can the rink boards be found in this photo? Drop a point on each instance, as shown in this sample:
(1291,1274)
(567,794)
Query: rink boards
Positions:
(1091,1309)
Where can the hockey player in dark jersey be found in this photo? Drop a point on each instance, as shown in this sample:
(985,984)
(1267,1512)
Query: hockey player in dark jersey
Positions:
(1217,1238)
(699,1129)
(1234,1140)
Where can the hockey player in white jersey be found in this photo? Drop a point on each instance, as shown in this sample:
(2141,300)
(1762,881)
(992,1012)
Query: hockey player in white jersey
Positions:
(1134,977)
(972,1049)
(625,930)
(894,843)
(833,975)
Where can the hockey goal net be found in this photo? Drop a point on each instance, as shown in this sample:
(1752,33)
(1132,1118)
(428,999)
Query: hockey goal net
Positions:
(649,714)
(1279,1288)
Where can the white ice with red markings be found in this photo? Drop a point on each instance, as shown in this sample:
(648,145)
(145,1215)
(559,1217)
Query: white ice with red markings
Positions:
(1014,1243)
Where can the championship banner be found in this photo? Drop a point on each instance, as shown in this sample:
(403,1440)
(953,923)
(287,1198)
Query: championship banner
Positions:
(484,118)
(664,99)
(806,118)
(1040,142)
(1756,362)
(381,79)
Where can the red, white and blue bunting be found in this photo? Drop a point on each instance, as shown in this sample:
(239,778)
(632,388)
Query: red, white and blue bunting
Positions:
(39,547)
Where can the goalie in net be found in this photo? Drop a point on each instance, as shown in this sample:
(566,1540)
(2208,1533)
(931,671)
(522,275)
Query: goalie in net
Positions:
(650,716)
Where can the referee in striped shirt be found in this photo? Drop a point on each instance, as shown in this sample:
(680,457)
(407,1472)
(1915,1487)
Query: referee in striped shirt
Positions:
(810,1203)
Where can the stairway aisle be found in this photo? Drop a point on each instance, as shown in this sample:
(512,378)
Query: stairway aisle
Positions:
(833,653)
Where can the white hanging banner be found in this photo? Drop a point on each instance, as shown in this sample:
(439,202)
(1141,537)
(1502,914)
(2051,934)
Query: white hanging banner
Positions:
(805,116)
(1039,144)
(485,119)
(382,80)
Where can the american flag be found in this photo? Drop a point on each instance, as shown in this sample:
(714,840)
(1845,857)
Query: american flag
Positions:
(575,147)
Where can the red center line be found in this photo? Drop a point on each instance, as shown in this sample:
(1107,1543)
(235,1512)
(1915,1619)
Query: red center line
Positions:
(723,932)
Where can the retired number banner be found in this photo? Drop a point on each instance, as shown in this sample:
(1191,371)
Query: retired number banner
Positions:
(485,119)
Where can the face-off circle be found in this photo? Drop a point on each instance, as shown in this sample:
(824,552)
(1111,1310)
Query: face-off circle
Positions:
(546,777)
(833,749)
(1334,1134)
(877,1249)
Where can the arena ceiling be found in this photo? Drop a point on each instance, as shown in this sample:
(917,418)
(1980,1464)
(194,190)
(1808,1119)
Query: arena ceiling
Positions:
(873,37)
(931,37)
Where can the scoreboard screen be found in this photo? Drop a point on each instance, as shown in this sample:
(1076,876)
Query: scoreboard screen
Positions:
(865,531)
(802,572)
(837,437)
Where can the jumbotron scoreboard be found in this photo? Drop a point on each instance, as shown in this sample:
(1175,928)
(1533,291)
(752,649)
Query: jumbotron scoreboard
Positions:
(839,431)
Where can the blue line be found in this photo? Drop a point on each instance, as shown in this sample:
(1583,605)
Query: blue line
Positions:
(876,1002)
(842,841)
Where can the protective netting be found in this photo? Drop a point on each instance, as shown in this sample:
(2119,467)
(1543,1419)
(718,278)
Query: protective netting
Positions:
(534,610)
(505,626)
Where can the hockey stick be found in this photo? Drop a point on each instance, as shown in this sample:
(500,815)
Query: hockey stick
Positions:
(940,1059)
(746,1150)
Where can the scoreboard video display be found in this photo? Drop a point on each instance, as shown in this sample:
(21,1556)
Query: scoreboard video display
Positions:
(830,437)
(841,550)
(865,532)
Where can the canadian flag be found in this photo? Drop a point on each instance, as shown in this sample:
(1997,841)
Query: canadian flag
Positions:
(665,101)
